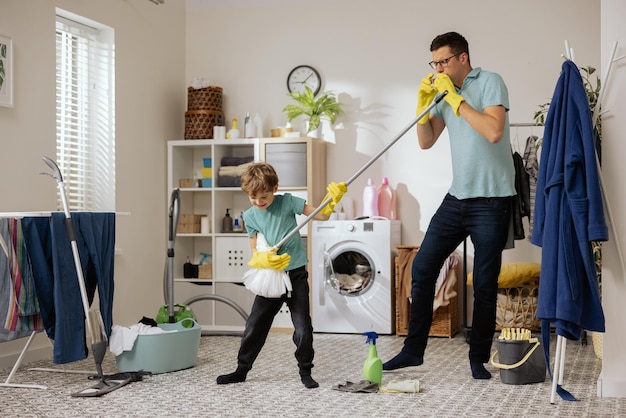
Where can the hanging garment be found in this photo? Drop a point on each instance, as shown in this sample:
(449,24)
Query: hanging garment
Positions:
(568,212)
(521,202)
(531,165)
(22,307)
(52,261)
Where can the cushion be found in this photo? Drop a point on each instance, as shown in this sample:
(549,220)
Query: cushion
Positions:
(514,274)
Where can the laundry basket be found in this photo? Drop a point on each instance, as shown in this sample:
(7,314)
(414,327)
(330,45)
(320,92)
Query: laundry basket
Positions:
(164,352)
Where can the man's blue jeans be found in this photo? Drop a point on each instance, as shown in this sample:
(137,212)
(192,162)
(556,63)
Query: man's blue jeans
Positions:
(486,222)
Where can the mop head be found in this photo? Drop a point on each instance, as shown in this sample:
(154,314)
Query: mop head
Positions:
(268,283)
(109,383)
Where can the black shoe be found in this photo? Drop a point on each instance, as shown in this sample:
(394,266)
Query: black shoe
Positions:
(235,377)
(309,382)
(479,371)
(403,360)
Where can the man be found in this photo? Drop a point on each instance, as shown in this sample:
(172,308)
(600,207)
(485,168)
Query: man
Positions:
(478,203)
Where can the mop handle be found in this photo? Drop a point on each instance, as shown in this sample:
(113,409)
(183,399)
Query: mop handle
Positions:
(72,237)
(365,167)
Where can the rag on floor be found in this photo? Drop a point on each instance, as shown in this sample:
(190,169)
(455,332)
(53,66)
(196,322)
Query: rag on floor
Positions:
(364,386)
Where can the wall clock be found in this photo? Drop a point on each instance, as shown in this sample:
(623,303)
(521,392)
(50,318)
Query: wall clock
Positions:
(302,76)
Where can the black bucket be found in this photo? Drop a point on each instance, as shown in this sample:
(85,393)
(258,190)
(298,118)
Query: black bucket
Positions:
(511,352)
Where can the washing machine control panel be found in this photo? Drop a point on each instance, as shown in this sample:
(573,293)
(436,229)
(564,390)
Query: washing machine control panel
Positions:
(367,227)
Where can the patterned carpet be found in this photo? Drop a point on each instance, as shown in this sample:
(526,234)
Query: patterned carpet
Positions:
(274,389)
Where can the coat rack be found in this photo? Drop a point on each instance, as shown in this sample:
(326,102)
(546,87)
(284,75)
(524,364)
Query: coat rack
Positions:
(559,360)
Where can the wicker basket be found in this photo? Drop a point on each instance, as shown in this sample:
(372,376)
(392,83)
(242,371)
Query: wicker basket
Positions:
(517,307)
(208,98)
(205,271)
(188,224)
(445,318)
(199,123)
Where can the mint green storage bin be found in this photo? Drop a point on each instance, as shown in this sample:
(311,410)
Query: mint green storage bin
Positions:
(163,353)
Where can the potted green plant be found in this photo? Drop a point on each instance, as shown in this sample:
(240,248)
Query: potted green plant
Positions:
(325,104)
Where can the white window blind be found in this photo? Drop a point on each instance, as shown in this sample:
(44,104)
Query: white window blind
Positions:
(85,113)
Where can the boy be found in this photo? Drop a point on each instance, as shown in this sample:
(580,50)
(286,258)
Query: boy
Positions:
(274,217)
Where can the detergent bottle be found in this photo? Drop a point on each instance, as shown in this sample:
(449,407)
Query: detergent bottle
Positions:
(386,200)
(370,200)
(373,366)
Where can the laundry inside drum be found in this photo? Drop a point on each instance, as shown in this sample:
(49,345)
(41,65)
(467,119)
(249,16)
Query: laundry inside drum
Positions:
(354,273)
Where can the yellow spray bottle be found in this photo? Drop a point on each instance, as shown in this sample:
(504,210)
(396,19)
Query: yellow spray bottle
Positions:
(373,366)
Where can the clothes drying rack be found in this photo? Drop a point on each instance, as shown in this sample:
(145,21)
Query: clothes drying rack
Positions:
(18,362)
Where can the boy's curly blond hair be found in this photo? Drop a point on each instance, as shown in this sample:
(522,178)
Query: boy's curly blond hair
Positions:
(259,177)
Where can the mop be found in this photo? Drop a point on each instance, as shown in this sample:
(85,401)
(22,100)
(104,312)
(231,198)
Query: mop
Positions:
(274,278)
(93,318)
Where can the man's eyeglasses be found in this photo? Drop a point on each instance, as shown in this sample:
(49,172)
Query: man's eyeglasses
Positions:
(443,62)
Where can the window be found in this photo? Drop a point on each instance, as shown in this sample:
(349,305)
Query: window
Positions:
(85,112)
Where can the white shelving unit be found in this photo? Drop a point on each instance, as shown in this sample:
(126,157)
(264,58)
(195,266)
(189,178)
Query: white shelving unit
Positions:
(301,167)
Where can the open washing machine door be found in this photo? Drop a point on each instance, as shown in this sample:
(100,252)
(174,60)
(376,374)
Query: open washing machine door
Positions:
(349,273)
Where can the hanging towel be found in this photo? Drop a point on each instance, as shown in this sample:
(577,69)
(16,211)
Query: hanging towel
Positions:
(95,239)
(22,308)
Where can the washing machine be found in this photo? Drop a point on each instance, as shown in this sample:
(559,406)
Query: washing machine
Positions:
(352,275)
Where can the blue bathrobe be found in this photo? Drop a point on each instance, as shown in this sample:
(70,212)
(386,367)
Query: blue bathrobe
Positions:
(569,213)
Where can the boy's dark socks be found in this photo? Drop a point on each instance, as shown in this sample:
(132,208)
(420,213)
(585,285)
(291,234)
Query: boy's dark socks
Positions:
(479,371)
(403,360)
(235,377)
(309,382)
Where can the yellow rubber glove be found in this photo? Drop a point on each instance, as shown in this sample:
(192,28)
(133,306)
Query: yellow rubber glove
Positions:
(443,83)
(336,192)
(425,95)
(269,260)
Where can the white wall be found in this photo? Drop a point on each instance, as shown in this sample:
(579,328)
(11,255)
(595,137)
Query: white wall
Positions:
(373,54)
(612,382)
(150,101)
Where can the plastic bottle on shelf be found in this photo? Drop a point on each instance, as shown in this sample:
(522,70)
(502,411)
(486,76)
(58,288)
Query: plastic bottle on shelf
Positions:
(227,222)
(248,127)
(243,223)
(258,125)
(370,199)
(233,133)
(386,200)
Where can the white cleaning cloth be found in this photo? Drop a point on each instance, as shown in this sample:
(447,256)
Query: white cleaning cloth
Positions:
(404,386)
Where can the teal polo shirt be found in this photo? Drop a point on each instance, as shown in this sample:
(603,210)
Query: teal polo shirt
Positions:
(479,168)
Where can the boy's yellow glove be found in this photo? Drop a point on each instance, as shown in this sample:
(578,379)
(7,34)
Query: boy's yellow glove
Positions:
(443,83)
(336,192)
(425,95)
(269,260)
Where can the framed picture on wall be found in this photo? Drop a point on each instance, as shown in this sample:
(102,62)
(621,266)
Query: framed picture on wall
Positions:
(6,71)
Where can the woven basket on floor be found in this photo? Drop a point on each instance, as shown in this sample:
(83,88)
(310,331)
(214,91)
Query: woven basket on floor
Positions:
(596,339)
(517,307)
(445,318)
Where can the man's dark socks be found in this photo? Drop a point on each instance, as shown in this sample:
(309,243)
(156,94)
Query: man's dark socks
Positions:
(479,371)
(403,360)
(236,377)
(308,381)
